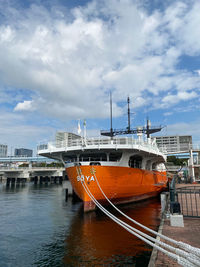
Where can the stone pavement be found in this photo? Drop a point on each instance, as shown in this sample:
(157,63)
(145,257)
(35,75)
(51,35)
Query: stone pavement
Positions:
(189,234)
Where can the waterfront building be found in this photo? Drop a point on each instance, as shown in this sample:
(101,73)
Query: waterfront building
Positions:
(61,139)
(3,150)
(23,152)
(174,143)
(66,138)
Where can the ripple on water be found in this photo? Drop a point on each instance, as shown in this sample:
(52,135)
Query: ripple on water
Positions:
(38,228)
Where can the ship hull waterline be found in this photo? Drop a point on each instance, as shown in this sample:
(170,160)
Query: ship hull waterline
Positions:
(120,184)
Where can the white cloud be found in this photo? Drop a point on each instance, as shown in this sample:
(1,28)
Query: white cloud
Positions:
(198,71)
(187,95)
(172,99)
(168,113)
(72,58)
(190,29)
(15,131)
(140,101)
(24,106)
(6,34)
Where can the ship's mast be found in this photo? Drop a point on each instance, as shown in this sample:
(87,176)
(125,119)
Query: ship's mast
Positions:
(129,123)
(148,128)
(111,129)
(145,130)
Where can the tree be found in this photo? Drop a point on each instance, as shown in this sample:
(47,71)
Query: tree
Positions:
(176,161)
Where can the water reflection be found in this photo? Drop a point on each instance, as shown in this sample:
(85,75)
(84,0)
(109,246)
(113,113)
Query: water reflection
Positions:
(95,240)
(38,228)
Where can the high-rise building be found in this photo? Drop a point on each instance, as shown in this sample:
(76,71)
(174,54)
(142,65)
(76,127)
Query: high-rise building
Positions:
(65,138)
(3,150)
(23,152)
(174,143)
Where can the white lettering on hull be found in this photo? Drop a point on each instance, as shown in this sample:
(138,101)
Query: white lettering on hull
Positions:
(83,178)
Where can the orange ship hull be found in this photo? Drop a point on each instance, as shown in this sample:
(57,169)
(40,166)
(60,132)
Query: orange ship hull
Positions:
(120,184)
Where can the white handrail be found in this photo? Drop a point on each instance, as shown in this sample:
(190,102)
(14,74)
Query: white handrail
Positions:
(97,142)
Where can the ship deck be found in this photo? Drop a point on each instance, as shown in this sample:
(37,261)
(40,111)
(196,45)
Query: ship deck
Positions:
(57,149)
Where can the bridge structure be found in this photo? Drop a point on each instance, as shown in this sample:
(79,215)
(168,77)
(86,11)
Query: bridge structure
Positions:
(36,174)
(13,159)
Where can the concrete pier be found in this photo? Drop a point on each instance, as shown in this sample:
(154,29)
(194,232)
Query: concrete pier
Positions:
(188,233)
(35,180)
(8,181)
(38,175)
(30,172)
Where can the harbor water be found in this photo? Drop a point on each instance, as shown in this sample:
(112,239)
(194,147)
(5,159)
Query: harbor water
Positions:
(38,228)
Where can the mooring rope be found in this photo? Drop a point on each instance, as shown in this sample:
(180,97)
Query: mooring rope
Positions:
(190,261)
(180,244)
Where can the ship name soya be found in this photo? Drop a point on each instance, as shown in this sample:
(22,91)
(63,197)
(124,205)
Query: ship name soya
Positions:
(86,178)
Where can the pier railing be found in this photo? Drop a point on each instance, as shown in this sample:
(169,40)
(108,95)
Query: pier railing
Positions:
(189,199)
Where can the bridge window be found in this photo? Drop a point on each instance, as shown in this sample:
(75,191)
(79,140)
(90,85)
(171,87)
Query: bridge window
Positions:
(95,163)
(116,156)
(71,159)
(135,161)
(93,157)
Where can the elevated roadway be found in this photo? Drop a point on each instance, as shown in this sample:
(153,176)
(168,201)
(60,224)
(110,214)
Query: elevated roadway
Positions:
(29,172)
(12,159)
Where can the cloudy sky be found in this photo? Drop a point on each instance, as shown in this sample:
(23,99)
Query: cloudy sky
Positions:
(59,59)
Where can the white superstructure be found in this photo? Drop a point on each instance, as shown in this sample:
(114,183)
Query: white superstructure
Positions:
(106,151)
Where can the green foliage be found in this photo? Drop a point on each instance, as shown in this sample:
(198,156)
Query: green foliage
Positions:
(45,164)
(39,164)
(55,164)
(176,161)
(23,165)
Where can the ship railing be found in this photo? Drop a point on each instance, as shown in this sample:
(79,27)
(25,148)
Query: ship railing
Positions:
(97,142)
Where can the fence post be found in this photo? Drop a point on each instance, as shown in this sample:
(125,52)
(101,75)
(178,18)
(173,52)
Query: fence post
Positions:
(174,204)
(176,219)
(172,189)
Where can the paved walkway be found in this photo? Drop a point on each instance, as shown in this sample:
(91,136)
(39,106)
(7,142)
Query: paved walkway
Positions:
(189,234)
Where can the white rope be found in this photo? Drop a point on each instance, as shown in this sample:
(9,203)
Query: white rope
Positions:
(189,248)
(182,261)
(122,223)
(133,230)
(180,244)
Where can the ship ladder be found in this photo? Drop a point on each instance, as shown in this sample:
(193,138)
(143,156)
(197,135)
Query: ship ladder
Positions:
(185,255)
